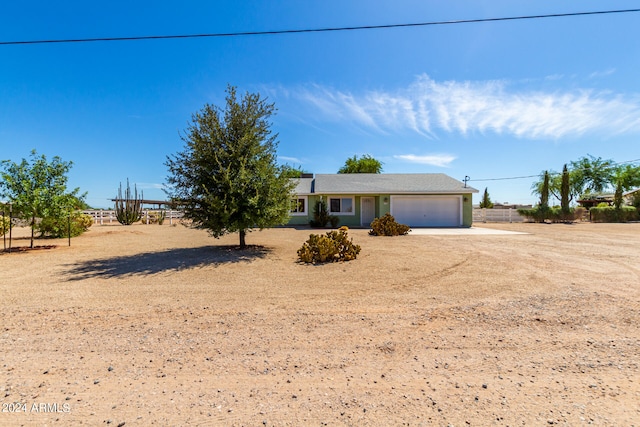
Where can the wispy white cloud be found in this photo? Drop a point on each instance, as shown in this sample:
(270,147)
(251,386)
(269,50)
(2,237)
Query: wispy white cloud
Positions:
(603,73)
(442,160)
(429,107)
(148,186)
(290,159)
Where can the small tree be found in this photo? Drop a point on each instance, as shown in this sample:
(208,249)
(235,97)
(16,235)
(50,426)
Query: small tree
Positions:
(486,202)
(365,164)
(227,178)
(564,191)
(38,189)
(128,209)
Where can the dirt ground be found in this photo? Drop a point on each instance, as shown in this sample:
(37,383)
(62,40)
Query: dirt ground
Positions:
(164,325)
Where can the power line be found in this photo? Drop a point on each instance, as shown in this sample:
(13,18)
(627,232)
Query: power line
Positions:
(314,30)
(550,173)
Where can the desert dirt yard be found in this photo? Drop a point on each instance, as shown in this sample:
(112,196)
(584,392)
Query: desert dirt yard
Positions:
(164,325)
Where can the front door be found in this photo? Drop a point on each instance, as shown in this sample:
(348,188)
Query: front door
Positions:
(367,210)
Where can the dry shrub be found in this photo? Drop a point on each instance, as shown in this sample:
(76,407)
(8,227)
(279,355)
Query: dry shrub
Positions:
(333,246)
(387,226)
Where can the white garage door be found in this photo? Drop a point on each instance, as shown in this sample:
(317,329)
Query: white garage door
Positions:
(427,211)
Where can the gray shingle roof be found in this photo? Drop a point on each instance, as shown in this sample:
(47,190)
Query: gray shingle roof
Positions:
(389,183)
(304,186)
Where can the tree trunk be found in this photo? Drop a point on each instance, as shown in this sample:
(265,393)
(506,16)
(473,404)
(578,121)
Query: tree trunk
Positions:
(33,224)
(243,244)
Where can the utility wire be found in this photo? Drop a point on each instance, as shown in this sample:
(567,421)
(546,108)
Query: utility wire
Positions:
(314,30)
(550,173)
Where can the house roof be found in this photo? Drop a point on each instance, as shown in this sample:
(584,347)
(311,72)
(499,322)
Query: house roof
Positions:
(304,186)
(391,183)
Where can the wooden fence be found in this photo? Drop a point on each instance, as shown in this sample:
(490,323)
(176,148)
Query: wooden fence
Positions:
(497,215)
(109,216)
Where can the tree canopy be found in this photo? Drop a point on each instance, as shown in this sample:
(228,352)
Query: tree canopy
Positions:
(364,164)
(37,189)
(227,178)
(587,176)
(292,172)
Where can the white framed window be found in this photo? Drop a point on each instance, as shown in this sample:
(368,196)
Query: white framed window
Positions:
(299,206)
(341,205)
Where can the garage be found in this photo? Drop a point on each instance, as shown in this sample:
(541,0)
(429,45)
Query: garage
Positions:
(427,211)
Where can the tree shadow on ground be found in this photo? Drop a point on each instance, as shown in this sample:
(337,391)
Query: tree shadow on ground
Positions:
(150,263)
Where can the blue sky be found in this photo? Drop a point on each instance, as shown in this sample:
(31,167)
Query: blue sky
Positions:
(484,100)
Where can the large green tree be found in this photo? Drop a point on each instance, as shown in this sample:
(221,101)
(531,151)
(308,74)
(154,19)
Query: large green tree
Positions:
(227,177)
(591,174)
(37,189)
(624,178)
(364,164)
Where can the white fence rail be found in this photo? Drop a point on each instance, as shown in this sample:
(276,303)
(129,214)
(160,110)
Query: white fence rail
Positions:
(497,215)
(109,216)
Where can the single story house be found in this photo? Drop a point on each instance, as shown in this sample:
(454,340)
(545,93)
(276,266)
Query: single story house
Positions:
(592,200)
(418,200)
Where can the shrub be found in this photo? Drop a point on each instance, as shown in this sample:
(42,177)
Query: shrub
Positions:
(321,216)
(334,246)
(554,214)
(536,214)
(156,217)
(611,214)
(387,226)
(59,226)
(4,225)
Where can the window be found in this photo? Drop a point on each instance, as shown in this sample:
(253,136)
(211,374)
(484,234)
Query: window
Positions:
(343,205)
(299,206)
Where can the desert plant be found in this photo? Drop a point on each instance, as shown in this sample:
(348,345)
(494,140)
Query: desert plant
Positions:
(57,227)
(387,226)
(128,209)
(154,217)
(160,217)
(334,246)
(321,216)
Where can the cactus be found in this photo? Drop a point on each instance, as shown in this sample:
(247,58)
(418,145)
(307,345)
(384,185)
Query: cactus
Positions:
(128,209)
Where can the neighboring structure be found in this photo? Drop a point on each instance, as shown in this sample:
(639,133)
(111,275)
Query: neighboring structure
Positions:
(630,196)
(595,199)
(418,200)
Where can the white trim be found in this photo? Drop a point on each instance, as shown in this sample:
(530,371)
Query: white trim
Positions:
(426,196)
(353,205)
(306,206)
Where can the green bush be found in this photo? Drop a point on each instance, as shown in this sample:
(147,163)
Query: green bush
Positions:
(611,214)
(59,226)
(334,246)
(553,214)
(321,216)
(387,226)
(4,225)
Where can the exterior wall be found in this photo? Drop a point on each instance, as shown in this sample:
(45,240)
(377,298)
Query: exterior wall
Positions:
(467,209)
(382,204)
